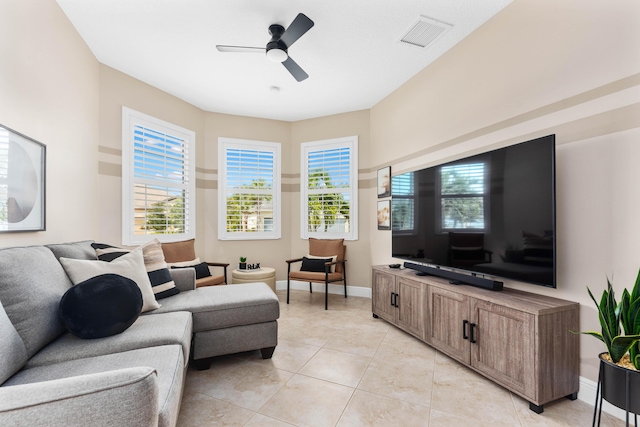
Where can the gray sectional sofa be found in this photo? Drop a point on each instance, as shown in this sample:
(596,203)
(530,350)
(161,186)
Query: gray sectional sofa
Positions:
(135,378)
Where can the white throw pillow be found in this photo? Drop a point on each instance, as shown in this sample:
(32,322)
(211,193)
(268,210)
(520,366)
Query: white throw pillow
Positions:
(333,259)
(130,265)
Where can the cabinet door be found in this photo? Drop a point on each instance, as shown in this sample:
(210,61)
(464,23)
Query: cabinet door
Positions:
(410,304)
(449,311)
(505,346)
(382,287)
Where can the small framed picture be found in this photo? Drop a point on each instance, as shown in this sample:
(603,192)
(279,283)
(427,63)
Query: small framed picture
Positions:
(384,182)
(384,214)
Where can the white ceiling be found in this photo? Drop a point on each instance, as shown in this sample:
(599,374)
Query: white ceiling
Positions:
(352,55)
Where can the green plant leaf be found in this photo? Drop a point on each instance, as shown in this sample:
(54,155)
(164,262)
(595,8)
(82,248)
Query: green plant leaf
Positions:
(625,314)
(605,336)
(634,353)
(633,314)
(613,310)
(636,362)
(635,292)
(621,345)
(592,333)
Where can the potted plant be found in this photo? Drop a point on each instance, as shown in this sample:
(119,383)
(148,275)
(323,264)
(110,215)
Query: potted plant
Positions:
(622,361)
(243,263)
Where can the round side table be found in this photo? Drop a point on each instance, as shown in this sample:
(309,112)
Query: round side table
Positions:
(264,274)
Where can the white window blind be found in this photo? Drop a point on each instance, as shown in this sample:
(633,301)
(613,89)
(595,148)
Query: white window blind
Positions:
(249,193)
(329,188)
(463,197)
(403,203)
(158,179)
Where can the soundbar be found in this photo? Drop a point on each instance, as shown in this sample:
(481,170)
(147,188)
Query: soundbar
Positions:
(476,281)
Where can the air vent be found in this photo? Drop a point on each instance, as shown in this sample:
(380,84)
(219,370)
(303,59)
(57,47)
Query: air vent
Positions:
(424,31)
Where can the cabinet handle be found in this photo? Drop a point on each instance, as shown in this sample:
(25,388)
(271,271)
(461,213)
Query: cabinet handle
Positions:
(472,334)
(391,302)
(397,296)
(464,329)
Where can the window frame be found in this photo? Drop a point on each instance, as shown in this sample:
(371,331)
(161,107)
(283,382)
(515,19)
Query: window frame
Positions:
(484,195)
(413,197)
(276,192)
(329,144)
(131,118)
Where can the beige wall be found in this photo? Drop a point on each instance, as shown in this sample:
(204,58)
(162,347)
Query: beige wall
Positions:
(49,92)
(348,124)
(271,253)
(539,67)
(117,90)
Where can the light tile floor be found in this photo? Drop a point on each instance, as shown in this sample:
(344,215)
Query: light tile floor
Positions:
(342,367)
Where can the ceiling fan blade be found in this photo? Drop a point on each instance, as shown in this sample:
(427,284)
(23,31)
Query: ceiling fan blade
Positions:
(240,49)
(295,70)
(300,25)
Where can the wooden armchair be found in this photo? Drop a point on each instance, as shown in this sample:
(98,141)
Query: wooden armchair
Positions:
(325,263)
(183,255)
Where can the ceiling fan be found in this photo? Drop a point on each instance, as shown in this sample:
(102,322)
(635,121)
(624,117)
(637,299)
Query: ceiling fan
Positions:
(278,46)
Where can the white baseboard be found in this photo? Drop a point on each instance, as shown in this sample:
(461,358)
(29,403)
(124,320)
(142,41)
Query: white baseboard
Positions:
(587,394)
(355,291)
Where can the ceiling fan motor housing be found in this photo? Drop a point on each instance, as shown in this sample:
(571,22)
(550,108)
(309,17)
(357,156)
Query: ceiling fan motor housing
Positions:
(278,46)
(276,49)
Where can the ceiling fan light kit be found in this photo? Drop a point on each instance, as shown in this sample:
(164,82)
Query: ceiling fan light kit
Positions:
(277,48)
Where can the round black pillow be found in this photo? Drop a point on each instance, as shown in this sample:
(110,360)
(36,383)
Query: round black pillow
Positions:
(102,306)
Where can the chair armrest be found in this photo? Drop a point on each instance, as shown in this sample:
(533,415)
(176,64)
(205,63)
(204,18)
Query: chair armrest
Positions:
(184,278)
(220,264)
(327,265)
(289,261)
(125,397)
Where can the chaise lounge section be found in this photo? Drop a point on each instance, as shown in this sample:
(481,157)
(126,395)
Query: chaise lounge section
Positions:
(134,378)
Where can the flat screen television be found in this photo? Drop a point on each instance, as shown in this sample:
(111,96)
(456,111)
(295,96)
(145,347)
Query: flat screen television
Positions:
(489,215)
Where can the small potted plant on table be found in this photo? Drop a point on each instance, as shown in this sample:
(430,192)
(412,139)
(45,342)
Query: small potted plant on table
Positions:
(619,378)
(243,263)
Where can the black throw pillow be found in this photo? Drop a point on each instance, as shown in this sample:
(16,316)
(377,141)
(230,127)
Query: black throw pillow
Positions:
(102,306)
(315,265)
(202,270)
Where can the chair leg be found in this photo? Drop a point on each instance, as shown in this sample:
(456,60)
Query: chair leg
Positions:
(326,294)
(310,288)
(288,280)
(344,276)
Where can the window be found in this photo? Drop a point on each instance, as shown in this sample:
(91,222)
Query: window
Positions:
(403,204)
(463,198)
(329,188)
(158,179)
(249,189)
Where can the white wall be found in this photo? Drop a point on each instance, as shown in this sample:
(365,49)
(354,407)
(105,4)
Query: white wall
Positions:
(539,67)
(49,92)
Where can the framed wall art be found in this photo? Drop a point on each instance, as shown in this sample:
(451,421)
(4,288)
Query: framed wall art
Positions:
(22,182)
(384,215)
(384,182)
